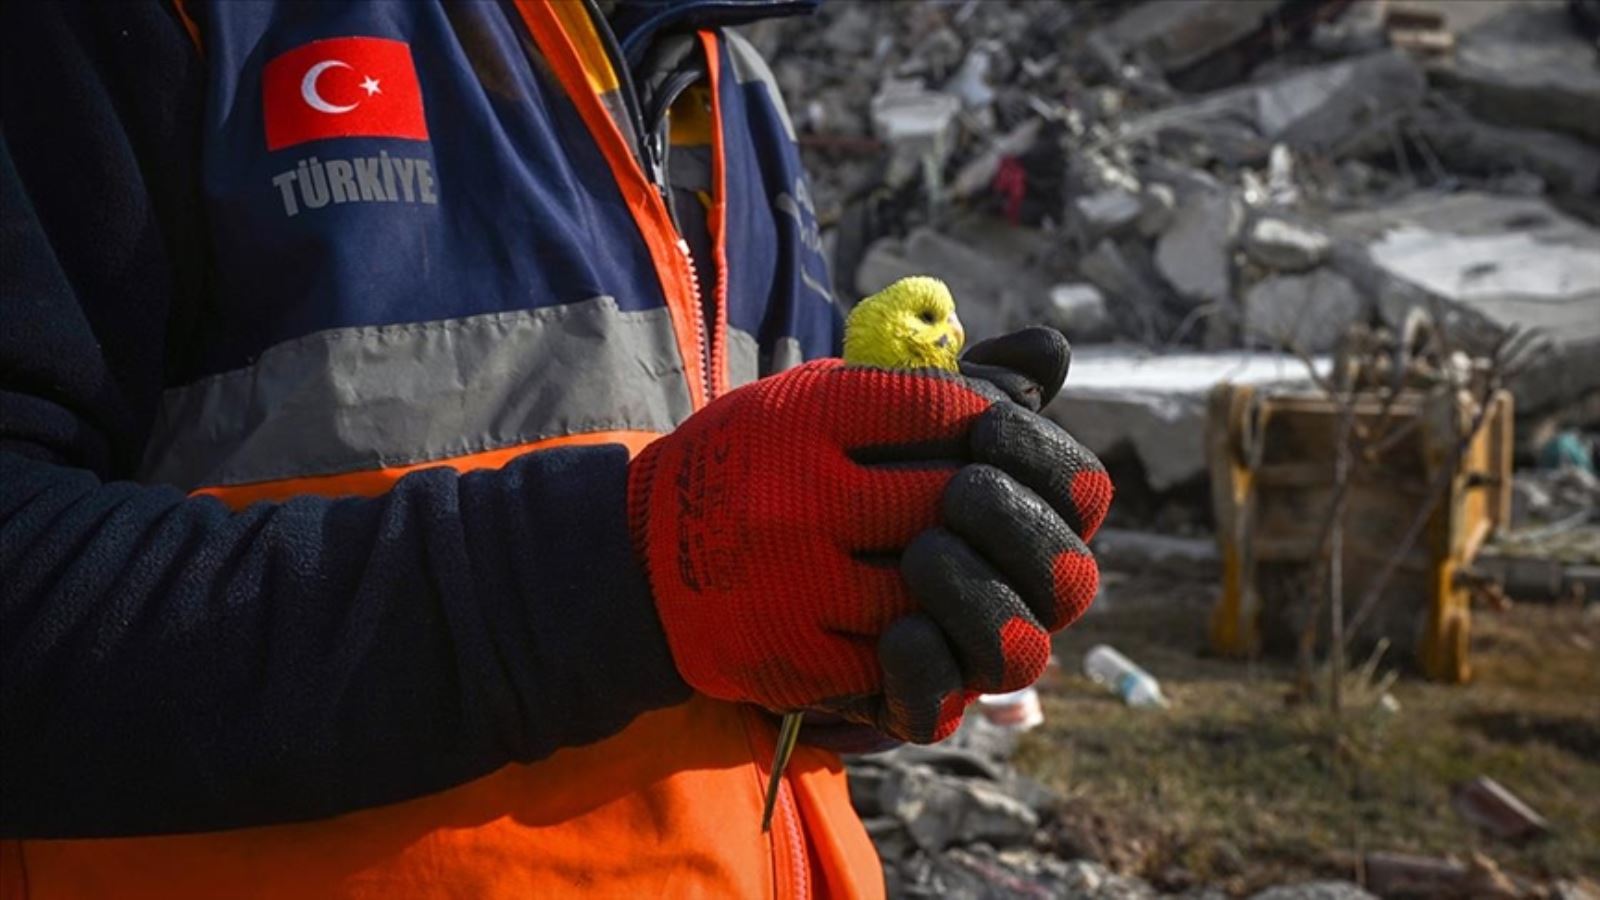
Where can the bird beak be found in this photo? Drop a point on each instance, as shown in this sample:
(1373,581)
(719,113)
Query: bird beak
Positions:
(961,333)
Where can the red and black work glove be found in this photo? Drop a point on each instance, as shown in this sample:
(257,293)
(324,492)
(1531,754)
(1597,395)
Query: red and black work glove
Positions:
(776,524)
(1009,548)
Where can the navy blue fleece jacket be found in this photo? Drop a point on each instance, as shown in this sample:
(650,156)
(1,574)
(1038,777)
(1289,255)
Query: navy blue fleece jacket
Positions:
(171,665)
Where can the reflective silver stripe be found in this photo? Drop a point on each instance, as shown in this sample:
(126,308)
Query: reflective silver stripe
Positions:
(744,357)
(786,354)
(617,108)
(748,66)
(363,398)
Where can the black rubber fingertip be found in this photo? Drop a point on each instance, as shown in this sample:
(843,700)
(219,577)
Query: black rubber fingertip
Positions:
(911,649)
(1037,452)
(973,484)
(919,672)
(1015,530)
(1040,353)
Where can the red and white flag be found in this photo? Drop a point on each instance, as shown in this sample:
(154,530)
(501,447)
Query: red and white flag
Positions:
(342,87)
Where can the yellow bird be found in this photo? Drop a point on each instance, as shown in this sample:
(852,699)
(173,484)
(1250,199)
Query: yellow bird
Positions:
(911,324)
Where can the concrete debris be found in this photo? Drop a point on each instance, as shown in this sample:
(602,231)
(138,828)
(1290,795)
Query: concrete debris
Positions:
(1487,804)
(1120,549)
(1092,880)
(1528,68)
(1107,212)
(1157,205)
(1565,164)
(918,126)
(971,81)
(1120,400)
(1308,313)
(1546,495)
(1195,174)
(1195,255)
(1171,183)
(1331,109)
(1078,311)
(1175,34)
(1285,246)
(1131,278)
(1323,108)
(1494,263)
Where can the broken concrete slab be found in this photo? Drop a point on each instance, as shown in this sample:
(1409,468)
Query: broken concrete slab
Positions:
(1528,67)
(1566,164)
(1321,108)
(1093,881)
(1324,110)
(1157,205)
(939,811)
(1489,262)
(1305,312)
(917,124)
(1077,311)
(1127,275)
(1175,34)
(1120,549)
(1195,254)
(1120,399)
(1285,246)
(1105,212)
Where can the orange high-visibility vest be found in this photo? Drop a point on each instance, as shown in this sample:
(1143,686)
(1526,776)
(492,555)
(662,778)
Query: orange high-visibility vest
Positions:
(668,807)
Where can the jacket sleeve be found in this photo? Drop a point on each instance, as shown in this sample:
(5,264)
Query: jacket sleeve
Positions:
(167,664)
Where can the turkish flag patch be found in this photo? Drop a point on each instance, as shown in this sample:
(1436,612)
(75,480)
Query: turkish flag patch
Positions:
(342,87)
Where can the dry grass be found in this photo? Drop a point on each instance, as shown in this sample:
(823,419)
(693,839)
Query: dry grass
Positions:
(1236,786)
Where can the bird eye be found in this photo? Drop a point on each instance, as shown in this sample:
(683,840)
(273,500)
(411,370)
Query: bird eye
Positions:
(927,316)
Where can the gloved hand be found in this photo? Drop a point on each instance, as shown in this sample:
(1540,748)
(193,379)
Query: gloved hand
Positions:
(775,526)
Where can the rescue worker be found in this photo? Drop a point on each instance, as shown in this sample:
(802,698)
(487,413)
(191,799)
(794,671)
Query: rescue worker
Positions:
(331,564)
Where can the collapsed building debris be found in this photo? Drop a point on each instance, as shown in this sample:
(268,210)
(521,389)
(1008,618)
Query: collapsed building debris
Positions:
(1199,192)
(1491,263)
(959,822)
(1054,166)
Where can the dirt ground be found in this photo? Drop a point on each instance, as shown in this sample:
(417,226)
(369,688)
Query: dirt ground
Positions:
(1238,786)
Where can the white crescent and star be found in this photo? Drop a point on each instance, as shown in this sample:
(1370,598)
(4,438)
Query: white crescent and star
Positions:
(308,88)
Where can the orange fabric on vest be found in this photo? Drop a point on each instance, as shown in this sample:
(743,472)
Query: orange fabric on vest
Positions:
(668,807)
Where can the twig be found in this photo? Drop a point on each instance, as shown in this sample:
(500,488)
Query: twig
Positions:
(1441,483)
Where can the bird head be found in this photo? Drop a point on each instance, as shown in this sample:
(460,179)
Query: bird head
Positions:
(909,324)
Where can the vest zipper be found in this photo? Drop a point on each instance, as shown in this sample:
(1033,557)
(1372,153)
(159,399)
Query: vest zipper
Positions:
(797,841)
(654,164)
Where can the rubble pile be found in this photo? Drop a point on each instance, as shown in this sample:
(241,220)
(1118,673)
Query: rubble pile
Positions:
(1201,185)
(957,822)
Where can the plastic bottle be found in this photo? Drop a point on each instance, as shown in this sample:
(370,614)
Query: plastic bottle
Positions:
(1110,669)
